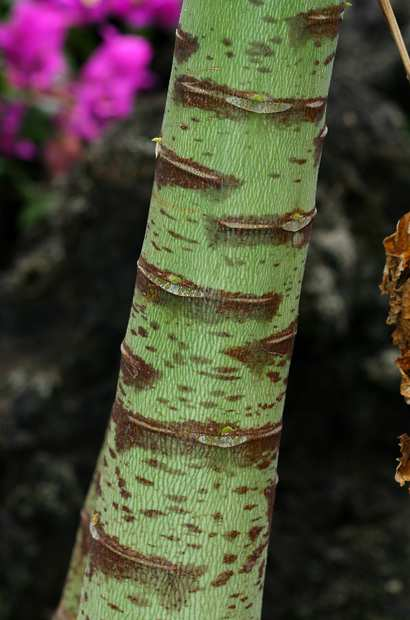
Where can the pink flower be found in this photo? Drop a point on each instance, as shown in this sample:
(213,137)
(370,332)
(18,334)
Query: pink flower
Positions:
(146,12)
(166,12)
(32,42)
(139,13)
(11,117)
(78,12)
(108,83)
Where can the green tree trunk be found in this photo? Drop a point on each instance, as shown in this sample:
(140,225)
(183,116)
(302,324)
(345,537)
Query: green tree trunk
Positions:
(180,524)
(69,605)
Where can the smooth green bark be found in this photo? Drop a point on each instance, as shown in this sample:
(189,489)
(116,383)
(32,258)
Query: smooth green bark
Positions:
(180,525)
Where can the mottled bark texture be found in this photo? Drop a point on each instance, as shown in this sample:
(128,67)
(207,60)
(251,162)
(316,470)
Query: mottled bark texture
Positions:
(180,525)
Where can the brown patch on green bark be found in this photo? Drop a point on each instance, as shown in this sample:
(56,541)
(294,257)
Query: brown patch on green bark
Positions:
(208,95)
(171,582)
(232,534)
(178,510)
(293,228)
(194,440)
(186,45)
(125,494)
(138,601)
(316,25)
(254,532)
(261,572)
(179,237)
(258,49)
(171,169)
(97,483)
(164,287)
(156,464)
(135,371)
(177,498)
(329,58)
(253,558)
(222,579)
(242,490)
(144,481)
(193,528)
(152,512)
(270,495)
(218,376)
(258,354)
(273,376)
(229,558)
(190,430)
(115,607)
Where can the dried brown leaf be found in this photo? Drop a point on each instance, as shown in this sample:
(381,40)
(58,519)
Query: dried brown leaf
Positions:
(403,468)
(396,284)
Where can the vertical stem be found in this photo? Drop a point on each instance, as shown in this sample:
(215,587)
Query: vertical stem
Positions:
(181,527)
(396,33)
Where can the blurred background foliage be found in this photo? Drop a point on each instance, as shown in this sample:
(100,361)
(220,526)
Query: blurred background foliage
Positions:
(76,174)
(70,69)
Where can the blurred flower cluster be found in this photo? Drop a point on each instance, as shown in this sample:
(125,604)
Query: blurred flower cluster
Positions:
(72,67)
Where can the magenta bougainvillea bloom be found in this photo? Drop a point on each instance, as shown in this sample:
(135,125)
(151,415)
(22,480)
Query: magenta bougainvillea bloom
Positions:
(165,12)
(81,104)
(144,12)
(138,13)
(11,143)
(32,44)
(108,83)
(79,12)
